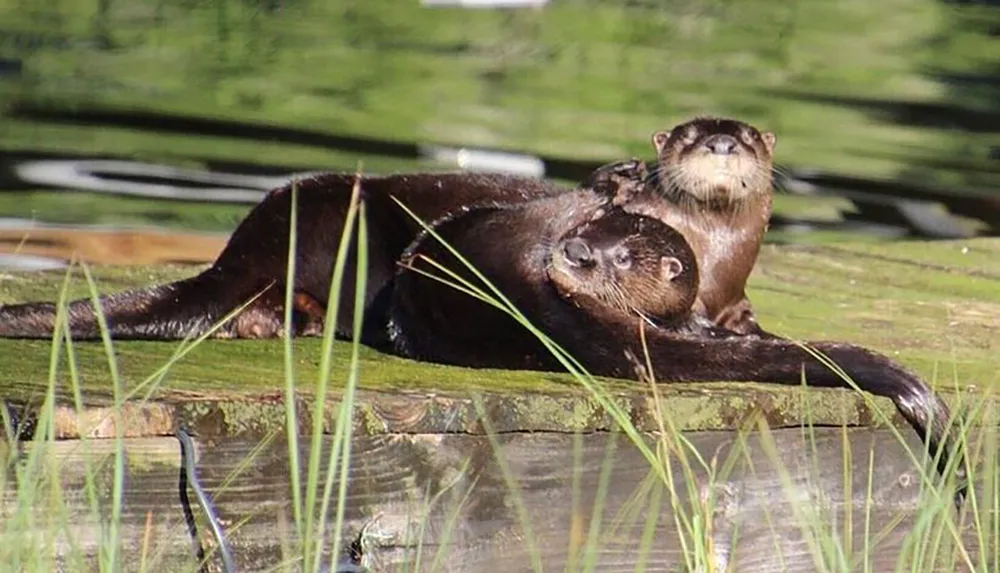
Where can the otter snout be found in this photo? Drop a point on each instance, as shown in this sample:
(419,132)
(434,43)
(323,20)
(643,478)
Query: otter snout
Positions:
(721,144)
(578,252)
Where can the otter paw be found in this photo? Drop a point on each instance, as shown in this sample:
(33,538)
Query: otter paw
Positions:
(620,181)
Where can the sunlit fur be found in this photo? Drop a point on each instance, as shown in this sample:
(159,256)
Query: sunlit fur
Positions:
(647,288)
(435,322)
(689,173)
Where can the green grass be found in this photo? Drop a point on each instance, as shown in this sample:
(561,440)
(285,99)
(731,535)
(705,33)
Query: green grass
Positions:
(578,79)
(311,538)
(673,462)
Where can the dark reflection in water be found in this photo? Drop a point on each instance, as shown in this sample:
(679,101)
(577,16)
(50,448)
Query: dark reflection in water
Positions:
(970,107)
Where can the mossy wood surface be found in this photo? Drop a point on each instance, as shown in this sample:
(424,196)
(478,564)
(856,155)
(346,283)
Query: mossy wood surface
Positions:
(933,306)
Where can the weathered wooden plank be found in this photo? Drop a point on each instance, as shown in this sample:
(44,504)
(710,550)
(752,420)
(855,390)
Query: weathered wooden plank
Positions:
(417,425)
(720,406)
(934,307)
(756,522)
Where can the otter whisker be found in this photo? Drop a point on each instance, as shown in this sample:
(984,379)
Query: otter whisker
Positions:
(781,178)
(678,188)
(779,170)
(607,296)
(616,297)
(653,174)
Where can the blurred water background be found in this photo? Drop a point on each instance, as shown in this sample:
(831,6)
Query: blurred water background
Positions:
(176,115)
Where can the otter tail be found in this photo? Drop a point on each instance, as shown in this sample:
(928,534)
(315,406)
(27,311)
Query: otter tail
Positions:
(779,361)
(188,307)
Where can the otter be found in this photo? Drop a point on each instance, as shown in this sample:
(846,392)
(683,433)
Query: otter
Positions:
(628,263)
(251,269)
(254,261)
(712,181)
(715,175)
(253,264)
(590,283)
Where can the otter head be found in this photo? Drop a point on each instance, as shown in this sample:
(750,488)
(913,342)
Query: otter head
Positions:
(627,264)
(715,160)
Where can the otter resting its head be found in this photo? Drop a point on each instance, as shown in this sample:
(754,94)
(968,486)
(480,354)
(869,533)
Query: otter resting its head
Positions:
(626,263)
(715,160)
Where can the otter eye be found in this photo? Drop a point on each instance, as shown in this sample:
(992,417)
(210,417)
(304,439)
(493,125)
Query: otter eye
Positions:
(622,259)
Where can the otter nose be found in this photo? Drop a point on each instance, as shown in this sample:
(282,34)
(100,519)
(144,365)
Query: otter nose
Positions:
(578,252)
(721,144)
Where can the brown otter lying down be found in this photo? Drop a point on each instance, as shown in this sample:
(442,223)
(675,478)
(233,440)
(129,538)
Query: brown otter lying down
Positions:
(585,266)
(712,181)
(589,280)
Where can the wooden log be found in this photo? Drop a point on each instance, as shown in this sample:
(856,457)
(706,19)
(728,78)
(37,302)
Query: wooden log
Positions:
(447,496)
(934,307)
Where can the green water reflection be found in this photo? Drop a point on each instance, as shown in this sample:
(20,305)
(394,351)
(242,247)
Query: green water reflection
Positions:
(897,89)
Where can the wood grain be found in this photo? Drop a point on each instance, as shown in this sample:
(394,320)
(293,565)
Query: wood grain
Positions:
(759,521)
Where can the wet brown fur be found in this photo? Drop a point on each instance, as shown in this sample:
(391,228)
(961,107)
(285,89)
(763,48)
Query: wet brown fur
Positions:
(601,330)
(720,203)
(638,266)
(254,260)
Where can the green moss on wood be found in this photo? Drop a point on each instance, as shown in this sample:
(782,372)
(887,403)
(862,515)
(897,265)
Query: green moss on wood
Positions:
(935,307)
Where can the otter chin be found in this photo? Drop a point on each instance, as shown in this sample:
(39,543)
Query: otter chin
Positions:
(715,160)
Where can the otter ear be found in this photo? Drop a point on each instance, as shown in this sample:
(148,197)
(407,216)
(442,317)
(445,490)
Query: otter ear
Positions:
(769,140)
(671,267)
(660,140)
